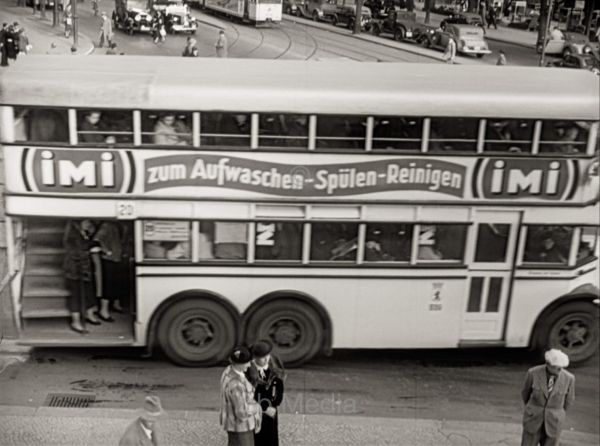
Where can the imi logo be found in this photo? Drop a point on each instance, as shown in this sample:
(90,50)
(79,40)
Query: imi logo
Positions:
(512,178)
(78,171)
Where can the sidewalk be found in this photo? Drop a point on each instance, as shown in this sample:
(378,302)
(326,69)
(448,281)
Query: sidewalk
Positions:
(40,31)
(24,426)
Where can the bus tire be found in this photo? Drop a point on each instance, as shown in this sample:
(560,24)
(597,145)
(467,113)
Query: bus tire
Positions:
(197,332)
(294,328)
(572,328)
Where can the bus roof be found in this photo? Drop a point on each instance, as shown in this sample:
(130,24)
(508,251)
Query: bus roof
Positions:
(337,87)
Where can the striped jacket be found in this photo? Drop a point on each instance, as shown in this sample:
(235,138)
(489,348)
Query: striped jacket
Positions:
(239,411)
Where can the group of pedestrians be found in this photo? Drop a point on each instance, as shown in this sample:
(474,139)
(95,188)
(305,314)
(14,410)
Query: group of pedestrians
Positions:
(191,50)
(13,40)
(252,388)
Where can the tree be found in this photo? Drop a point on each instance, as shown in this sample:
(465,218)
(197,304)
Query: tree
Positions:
(43,8)
(429,5)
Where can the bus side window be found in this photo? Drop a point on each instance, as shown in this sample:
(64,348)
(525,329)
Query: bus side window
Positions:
(103,127)
(564,137)
(230,240)
(225,129)
(279,130)
(548,244)
(492,240)
(588,242)
(334,241)
(41,125)
(166,240)
(509,135)
(453,134)
(278,241)
(397,133)
(166,128)
(442,242)
(388,242)
(341,132)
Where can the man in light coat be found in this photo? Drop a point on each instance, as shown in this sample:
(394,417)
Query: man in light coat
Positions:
(240,414)
(450,51)
(548,392)
(106,31)
(144,431)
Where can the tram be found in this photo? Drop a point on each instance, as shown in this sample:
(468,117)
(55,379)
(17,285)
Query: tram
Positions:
(256,12)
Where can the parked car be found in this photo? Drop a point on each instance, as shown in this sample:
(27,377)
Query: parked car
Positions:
(178,16)
(469,39)
(571,43)
(131,16)
(402,25)
(579,61)
(462,18)
(338,12)
(293,7)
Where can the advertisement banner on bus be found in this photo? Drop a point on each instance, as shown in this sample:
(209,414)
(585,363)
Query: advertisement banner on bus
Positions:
(142,172)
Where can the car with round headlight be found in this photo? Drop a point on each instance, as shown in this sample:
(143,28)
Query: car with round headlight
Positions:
(568,43)
(131,16)
(469,39)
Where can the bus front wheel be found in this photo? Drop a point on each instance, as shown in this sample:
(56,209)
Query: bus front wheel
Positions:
(293,327)
(197,332)
(573,328)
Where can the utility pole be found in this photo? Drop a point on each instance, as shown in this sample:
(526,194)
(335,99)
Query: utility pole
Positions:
(547,28)
(75,23)
(358,17)
(55,14)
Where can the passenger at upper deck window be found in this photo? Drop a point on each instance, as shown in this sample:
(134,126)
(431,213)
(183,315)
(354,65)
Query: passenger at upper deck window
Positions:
(168,130)
(92,129)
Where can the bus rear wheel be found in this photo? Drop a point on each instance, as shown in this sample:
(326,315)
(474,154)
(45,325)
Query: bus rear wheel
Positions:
(573,328)
(293,327)
(197,332)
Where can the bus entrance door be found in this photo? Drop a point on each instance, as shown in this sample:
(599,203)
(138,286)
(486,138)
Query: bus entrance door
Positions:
(490,257)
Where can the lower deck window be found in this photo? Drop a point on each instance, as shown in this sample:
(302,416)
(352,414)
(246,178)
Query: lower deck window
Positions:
(334,241)
(441,243)
(278,241)
(388,242)
(166,240)
(548,244)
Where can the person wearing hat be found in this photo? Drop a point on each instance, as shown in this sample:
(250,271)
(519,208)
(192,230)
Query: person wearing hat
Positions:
(240,415)
(106,31)
(548,392)
(143,431)
(266,374)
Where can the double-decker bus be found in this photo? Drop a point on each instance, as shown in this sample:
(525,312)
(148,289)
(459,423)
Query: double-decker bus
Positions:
(303,203)
(256,12)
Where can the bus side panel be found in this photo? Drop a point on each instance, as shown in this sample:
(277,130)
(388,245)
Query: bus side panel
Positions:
(410,313)
(365,313)
(529,298)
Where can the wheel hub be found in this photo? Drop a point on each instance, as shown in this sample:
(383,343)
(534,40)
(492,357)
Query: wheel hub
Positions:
(573,334)
(197,332)
(285,333)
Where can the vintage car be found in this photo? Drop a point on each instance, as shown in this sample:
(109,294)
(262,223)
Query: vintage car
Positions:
(462,18)
(293,7)
(131,16)
(178,16)
(402,25)
(578,61)
(469,39)
(570,43)
(338,12)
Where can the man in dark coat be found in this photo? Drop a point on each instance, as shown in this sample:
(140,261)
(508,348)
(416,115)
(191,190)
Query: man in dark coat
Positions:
(547,393)
(12,41)
(267,375)
(143,431)
(3,47)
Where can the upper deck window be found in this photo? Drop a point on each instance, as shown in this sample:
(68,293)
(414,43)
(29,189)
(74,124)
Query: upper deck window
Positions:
(509,135)
(397,133)
(341,132)
(453,134)
(225,129)
(104,127)
(41,125)
(166,128)
(283,130)
(564,137)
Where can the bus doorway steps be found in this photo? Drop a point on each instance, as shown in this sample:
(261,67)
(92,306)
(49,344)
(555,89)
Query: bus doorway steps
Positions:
(55,331)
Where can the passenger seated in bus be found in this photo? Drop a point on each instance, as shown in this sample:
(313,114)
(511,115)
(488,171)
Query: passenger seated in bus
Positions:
(564,135)
(169,131)
(387,244)
(547,251)
(92,129)
(42,125)
(154,249)
(584,251)
(229,126)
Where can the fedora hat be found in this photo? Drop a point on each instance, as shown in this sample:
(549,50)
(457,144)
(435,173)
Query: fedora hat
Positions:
(152,407)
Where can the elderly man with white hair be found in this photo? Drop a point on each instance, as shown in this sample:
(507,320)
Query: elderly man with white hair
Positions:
(548,392)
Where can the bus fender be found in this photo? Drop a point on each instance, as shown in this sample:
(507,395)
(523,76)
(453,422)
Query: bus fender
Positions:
(326,346)
(586,292)
(178,297)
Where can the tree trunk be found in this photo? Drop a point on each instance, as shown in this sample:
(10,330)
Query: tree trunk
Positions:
(428,6)
(43,8)
(542,31)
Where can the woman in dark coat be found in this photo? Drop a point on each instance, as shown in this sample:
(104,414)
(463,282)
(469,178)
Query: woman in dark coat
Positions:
(12,42)
(267,375)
